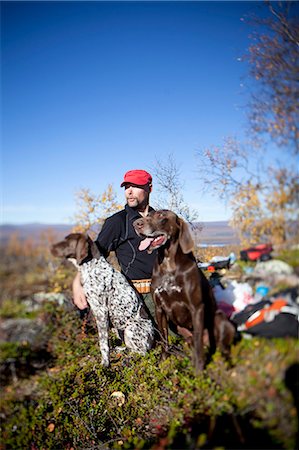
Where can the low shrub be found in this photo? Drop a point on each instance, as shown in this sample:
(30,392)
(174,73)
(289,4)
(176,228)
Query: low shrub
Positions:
(72,402)
(141,402)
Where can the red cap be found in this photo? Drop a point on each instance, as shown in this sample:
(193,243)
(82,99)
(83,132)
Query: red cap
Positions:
(138,177)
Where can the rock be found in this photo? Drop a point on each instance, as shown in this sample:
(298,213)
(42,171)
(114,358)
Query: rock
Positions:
(35,301)
(57,297)
(30,331)
(29,354)
(272,267)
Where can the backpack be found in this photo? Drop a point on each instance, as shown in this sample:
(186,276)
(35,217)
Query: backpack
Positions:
(270,318)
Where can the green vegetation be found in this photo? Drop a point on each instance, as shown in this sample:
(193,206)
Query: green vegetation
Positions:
(12,309)
(140,401)
(291,257)
(72,402)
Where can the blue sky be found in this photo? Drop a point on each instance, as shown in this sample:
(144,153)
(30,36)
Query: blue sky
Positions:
(93,89)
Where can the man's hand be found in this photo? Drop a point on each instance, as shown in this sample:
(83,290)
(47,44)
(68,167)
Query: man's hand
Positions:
(79,298)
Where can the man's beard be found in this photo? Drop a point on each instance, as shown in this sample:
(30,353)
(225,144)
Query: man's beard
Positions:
(136,204)
(132,202)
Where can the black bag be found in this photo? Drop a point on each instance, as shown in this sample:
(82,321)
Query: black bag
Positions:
(276,317)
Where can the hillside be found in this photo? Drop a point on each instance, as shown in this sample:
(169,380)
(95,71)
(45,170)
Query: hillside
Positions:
(215,233)
(57,395)
(205,233)
(32,230)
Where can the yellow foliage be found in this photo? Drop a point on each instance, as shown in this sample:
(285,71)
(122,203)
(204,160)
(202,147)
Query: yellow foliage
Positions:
(94,209)
(258,217)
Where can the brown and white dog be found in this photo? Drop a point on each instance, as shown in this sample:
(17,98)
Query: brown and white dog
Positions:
(111,298)
(181,292)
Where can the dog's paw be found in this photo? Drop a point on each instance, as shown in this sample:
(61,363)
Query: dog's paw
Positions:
(105,363)
(120,349)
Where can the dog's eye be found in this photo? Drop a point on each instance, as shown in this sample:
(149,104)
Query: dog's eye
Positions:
(163,220)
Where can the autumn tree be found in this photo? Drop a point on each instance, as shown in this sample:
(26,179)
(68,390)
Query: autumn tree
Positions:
(93,209)
(259,178)
(264,199)
(274,65)
(167,178)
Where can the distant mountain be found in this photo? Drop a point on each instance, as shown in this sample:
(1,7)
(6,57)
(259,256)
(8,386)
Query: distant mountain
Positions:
(32,230)
(210,233)
(214,233)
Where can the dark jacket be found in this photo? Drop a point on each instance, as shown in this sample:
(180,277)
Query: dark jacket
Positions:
(118,235)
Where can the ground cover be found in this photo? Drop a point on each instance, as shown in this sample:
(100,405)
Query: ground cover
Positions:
(69,401)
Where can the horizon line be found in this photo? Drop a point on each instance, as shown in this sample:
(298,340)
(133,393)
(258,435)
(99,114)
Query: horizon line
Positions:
(72,224)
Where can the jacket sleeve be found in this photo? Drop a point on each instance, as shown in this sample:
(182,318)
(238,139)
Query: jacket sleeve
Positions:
(109,236)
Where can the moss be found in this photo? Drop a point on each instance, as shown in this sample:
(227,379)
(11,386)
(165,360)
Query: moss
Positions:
(290,256)
(142,402)
(14,350)
(11,309)
(75,405)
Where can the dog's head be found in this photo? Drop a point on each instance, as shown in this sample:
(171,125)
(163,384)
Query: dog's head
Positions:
(162,227)
(74,246)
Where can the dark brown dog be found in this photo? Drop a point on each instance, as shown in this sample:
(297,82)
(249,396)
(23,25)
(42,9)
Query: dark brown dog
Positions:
(180,290)
(225,334)
(224,331)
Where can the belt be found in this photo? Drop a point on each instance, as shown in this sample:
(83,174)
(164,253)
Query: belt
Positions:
(142,286)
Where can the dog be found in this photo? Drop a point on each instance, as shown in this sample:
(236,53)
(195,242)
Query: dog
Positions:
(110,296)
(224,331)
(225,334)
(181,292)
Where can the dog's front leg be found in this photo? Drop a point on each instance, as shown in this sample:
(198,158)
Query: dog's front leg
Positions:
(102,321)
(198,327)
(162,326)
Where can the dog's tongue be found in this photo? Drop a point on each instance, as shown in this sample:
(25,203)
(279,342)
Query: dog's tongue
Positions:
(145,243)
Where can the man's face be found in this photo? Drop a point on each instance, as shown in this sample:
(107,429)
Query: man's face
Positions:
(137,196)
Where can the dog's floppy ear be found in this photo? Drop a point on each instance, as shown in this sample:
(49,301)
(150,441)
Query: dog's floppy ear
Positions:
(81,248)
(185,238)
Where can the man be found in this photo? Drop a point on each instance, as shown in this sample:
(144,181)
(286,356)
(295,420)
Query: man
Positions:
(118,235)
